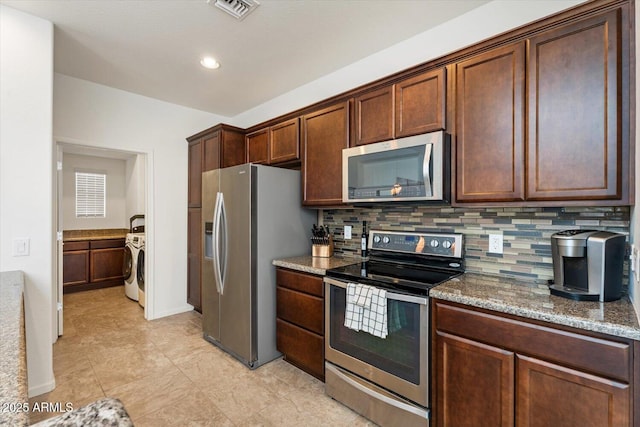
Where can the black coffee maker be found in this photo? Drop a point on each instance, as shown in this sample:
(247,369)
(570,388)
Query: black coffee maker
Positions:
(587,265)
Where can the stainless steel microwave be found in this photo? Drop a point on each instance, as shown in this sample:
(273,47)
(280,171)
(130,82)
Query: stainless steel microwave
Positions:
(414,168)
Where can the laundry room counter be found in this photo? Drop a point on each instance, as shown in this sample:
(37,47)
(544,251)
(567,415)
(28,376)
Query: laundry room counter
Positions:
(96,234)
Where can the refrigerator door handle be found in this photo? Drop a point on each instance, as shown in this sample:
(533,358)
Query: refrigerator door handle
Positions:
(216,243)
(225,244)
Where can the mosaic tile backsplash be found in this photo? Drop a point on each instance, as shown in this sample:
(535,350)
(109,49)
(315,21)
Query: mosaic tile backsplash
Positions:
(526,231)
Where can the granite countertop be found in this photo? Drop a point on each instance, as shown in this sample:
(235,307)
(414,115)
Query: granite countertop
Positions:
(103,412)
(97,234)
(315,265)
(13,362)
(533,300)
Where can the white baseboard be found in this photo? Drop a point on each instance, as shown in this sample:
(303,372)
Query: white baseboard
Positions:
(42,388)
(171,312)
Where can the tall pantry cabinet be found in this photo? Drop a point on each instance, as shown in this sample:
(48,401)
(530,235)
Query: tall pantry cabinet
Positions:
(217,147)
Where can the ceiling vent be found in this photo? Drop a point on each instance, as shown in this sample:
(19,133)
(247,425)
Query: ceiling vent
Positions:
(239,9)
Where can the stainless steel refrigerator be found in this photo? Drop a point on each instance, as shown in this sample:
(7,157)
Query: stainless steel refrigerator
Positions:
(251,215)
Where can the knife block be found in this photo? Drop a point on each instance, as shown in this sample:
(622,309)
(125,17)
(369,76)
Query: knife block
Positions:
(323,251)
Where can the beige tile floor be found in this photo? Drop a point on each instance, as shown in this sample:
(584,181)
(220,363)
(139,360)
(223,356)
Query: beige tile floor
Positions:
(166,374)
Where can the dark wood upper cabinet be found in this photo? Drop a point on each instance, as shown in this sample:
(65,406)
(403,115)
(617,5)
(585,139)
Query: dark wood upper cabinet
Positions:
(258,146)
(574,145)
(374,112)
(490,113)
(211,151)
(284,144)
(420,103)
(574,108)
(232,146)
(276,144)
(325,133)
(410,107)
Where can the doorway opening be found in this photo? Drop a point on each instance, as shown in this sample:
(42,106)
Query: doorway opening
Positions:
(92,241)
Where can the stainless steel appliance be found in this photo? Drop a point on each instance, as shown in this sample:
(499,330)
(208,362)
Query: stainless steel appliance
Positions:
(251,214)
(387,379)
(587,264)
(415,168)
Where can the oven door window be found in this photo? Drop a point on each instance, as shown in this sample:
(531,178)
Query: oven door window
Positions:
(399,353)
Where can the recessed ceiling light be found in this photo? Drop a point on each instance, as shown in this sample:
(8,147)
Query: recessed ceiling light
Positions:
(209,62)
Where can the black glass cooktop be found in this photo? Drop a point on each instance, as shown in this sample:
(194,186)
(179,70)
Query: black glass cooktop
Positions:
(410,278)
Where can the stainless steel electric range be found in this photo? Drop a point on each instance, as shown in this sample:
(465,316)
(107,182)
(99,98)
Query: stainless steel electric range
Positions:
(385,375)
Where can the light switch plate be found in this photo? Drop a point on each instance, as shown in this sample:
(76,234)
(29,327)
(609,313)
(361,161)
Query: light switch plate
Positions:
(495,243)
(20,247)
(347,232)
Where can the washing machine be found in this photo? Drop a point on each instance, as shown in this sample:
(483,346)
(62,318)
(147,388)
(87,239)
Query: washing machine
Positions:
(140,272)
(133,243)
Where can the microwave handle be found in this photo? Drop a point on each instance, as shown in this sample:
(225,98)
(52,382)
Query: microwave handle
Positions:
(425,170)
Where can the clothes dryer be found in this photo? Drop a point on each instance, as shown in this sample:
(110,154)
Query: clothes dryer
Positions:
(140,272)
(133,242)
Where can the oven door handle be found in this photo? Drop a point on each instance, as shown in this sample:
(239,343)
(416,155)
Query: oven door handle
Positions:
(390,295)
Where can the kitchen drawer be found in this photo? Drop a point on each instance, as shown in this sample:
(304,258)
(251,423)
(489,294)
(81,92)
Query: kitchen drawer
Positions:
(301,348)
(599,356)
(107,243)
(300,282)
(75,246)
(302,309)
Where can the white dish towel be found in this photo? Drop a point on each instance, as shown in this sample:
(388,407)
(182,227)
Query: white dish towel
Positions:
(366,309)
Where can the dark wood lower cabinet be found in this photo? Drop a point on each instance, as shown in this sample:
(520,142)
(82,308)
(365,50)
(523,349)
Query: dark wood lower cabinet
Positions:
(554,395)
(491,369)
(92,264)
(75,270)
(477,383)
(300,320)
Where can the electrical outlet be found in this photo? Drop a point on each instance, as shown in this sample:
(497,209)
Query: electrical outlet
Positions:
(347,232)
(495,243)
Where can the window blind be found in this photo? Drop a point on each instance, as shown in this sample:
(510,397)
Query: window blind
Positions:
(90,195)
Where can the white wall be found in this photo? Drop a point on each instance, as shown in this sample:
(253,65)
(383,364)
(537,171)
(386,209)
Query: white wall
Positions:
(26,180)
(116,203)
(135,183)
(98,116)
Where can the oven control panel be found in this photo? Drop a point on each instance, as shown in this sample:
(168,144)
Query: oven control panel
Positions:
(437,244)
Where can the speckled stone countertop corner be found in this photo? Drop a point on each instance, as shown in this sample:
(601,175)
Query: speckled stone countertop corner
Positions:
(104,412)
(534,301)
(13,362)
(315,265)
